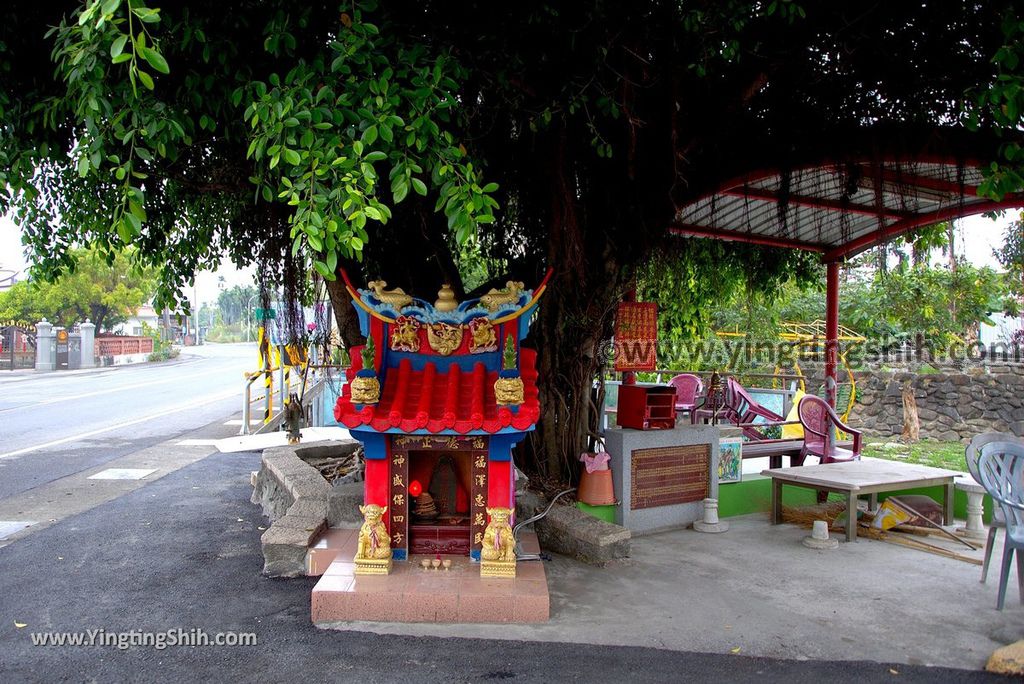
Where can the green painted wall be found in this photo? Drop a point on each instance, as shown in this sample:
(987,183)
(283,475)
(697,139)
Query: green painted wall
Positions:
(754,495)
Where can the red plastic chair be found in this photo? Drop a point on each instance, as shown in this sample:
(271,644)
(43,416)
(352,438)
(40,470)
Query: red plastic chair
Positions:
(817,417)
(688,390)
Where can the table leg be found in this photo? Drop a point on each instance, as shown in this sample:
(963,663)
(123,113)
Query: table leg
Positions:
(947,509)
(874,502)
(776,501)
(851,517)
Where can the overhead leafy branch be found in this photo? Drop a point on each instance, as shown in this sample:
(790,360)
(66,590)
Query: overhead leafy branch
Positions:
(1001,101)
(323,133)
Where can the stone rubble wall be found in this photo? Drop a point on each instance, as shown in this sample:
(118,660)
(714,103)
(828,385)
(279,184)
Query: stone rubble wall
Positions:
(951,405)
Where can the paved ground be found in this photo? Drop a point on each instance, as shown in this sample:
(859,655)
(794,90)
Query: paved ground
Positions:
(183,552)
(180,550)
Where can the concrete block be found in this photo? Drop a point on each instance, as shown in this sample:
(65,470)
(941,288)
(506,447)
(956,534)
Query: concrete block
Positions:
(622,443)
(571,532)
(343,504)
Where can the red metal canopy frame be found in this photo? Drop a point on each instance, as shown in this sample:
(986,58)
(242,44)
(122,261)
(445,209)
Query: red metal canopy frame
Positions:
(838,210)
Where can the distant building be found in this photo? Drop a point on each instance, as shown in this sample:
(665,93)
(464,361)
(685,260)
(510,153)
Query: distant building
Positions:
(146,314)
(1003,330)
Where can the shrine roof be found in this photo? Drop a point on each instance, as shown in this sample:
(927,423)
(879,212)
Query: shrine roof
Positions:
(441,398)
(499,305)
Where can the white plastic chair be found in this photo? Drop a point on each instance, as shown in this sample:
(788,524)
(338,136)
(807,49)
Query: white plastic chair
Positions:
(1002,475)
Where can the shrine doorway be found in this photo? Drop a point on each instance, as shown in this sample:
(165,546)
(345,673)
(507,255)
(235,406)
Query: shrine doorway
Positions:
(444,511)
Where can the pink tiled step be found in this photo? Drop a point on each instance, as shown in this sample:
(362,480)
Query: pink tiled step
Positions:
(412,594)
(328,547)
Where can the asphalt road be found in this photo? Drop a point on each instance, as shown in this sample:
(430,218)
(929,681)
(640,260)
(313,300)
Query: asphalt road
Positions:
(61,423)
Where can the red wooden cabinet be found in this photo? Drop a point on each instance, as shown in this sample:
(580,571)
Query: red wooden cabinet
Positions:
(647,408)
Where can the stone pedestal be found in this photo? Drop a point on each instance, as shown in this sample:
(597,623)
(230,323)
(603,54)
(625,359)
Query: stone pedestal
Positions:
(975,527)
(649,507)
(819,538)
(46,350)
(505,569)
(711,523)
(88,331)
(367,566)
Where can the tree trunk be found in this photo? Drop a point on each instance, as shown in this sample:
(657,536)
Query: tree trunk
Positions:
(911,421)
(344,314)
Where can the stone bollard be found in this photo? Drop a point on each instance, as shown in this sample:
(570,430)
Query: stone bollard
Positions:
(819,538)
(710,523)
(88,331)
(46,351)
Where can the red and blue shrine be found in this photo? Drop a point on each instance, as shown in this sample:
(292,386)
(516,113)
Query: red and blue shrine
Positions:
(439,396)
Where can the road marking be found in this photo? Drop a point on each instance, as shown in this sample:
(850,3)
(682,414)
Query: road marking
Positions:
(127,423)
(122,474)
(239,421)
(9,527)
(97,393)
(197,442)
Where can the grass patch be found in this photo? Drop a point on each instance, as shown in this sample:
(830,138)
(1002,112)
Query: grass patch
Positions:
(926,452)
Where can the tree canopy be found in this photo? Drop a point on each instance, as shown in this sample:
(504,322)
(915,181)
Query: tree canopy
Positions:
(106,294)
(410,139)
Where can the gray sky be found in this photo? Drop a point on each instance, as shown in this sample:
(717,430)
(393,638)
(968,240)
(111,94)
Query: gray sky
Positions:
(11,258)
(977,237)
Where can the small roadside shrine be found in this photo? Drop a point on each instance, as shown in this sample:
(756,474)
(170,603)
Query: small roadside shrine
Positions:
(439,396)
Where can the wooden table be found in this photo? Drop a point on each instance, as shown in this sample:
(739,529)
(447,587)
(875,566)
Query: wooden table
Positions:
(866,476)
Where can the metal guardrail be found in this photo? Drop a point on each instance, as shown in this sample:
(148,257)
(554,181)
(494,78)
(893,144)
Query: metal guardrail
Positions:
(311,401)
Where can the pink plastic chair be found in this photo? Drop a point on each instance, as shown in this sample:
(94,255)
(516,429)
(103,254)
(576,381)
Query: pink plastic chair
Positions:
(739,408)
(817,417)
(688,389)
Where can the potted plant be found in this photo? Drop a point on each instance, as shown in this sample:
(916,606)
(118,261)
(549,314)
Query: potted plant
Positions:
(508,388)
(365,386)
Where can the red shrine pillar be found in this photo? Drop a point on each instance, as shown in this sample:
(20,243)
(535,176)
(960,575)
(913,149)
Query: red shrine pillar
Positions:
(831,330)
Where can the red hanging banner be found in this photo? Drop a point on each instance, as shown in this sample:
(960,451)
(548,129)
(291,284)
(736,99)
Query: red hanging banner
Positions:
(636,336)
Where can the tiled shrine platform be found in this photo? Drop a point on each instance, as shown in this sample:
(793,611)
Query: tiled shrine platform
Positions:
(412,594)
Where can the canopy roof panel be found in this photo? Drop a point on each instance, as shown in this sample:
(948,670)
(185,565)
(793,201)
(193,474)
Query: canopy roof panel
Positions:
(838,209)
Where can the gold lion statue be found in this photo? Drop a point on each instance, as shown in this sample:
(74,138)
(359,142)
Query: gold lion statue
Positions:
(374,541)
(498,544)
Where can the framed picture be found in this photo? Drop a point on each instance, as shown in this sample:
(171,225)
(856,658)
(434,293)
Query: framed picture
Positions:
(730,459)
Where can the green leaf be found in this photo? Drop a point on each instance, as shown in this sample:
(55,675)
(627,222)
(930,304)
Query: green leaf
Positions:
(315,242)
(155,59)
(419,186)
(121,58)
(323,270)
(490,187)
(369,135)
(372,213)
(133,222)
(375,156)
(146,79)
(400,191)
(124,230)
(117,47)
(292,157)
(136,209)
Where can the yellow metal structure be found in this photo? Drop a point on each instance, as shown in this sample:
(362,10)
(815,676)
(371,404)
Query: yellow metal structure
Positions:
(809,341)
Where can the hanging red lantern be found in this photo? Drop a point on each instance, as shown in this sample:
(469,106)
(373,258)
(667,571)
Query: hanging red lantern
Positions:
(415,488)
